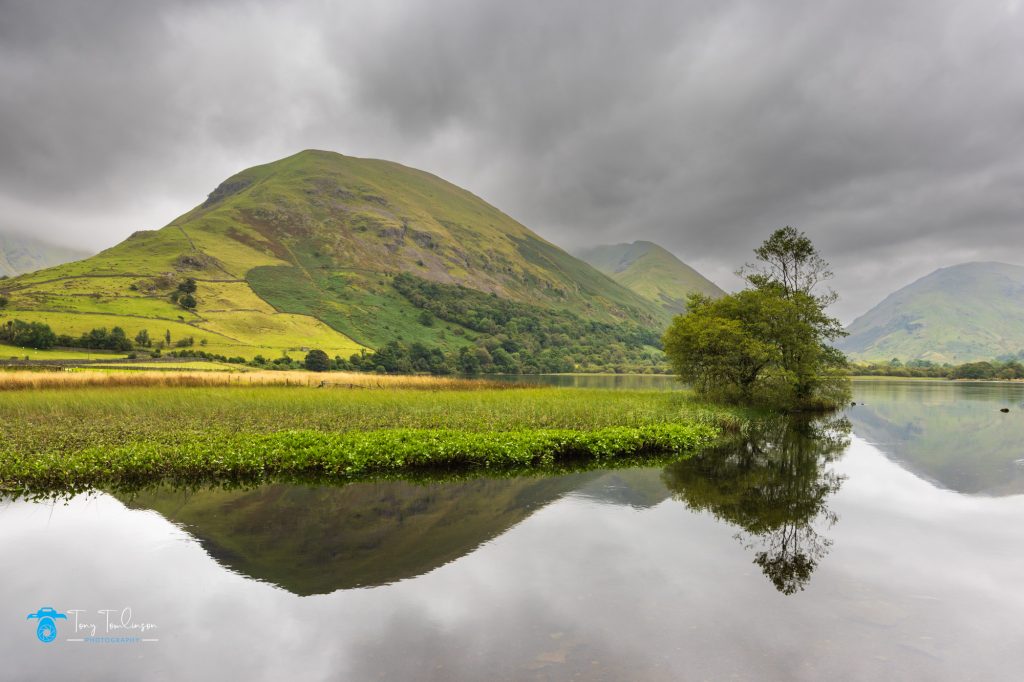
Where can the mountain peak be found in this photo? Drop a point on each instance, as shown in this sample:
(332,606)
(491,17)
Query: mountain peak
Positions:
(651,271)
(305,252)
(959,313)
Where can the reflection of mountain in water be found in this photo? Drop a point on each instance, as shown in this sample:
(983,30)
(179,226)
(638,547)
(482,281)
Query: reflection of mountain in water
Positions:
(317,539)
(952,434)
(637,488)
(774,486)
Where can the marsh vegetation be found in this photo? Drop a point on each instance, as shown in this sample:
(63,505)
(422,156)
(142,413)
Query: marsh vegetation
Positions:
(111,436)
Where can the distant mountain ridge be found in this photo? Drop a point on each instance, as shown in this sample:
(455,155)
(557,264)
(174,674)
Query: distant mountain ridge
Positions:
(962,313)
(20,254)
(652,272)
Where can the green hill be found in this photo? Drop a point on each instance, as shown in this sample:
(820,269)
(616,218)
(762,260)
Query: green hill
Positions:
(652,272)
(973,311)
(20,254)
(303,252)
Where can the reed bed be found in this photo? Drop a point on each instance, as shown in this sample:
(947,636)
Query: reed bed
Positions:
(110,435)
(76,379)
(346,455)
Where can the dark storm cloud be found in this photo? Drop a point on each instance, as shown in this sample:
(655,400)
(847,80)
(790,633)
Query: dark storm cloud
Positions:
(893,133)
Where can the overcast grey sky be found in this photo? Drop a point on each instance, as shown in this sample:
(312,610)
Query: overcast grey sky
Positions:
(891,132)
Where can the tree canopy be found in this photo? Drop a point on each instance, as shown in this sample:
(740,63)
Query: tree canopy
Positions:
(317,361)
(789,260)
(769,343)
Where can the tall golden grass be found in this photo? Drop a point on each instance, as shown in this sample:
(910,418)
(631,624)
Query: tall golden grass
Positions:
(27,380)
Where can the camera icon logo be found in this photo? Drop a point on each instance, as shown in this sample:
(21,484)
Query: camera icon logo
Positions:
(47,616)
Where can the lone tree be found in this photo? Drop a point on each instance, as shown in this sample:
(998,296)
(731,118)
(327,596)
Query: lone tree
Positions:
(187,301)
(788,259)
(769,343)
(317,361)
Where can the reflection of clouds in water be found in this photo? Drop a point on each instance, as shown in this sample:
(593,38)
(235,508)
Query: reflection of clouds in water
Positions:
(94,554)
(920,583)
(944,540)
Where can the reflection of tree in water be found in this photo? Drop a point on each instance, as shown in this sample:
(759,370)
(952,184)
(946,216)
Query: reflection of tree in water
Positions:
(773,484)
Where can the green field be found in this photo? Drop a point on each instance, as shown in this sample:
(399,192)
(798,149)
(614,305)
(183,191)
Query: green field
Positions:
(131,436)
(237,333)
(15,352)
(186,365)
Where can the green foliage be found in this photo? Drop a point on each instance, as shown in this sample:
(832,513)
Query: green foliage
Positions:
(142,339)
(988,370)
(789,260)
(533,339)
(187,301)
(715,349)
(1007,368)
(99,339)
(188,286)
(317,361)
(28,334)
(4,301)
(769,344)
(111,436)
(346,455)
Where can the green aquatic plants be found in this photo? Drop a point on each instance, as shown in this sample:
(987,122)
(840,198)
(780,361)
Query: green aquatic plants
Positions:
(773,482)
(110,437)
(346,455)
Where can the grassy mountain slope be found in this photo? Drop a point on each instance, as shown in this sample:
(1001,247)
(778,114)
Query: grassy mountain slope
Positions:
(301,253)
(20,254)
(652,272)
(973,311)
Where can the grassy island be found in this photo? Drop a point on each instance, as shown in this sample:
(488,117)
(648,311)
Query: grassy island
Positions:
(108,436)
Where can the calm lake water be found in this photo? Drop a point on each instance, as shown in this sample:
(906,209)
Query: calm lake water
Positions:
(889,546)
